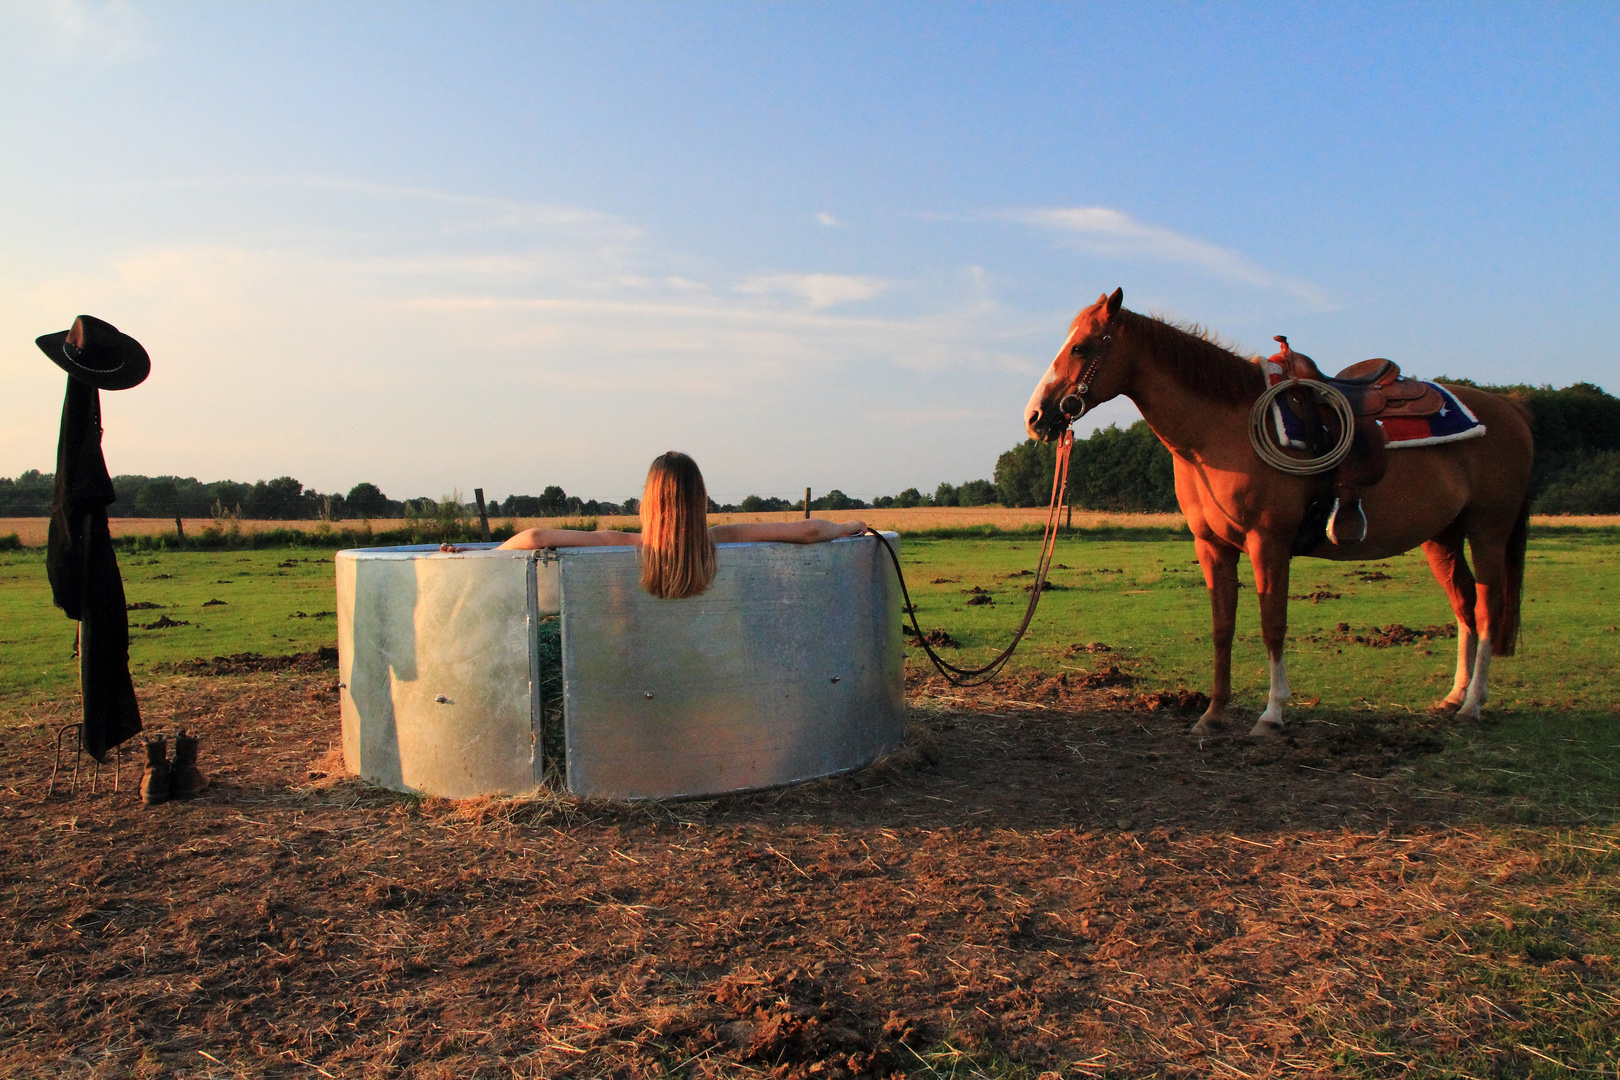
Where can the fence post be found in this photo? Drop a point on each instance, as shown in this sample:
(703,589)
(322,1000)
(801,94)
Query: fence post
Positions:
(807,503)
(483,515)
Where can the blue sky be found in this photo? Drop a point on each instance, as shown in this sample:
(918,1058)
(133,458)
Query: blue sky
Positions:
(440,246)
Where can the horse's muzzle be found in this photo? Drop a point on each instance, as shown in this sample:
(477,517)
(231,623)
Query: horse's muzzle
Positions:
(1044,426)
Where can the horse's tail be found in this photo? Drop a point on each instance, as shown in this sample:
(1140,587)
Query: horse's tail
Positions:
(1507,641)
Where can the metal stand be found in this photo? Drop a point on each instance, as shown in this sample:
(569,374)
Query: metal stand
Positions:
(50,789)
(78,754)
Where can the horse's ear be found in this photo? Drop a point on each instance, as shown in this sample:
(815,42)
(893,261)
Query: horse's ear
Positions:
(1115,301)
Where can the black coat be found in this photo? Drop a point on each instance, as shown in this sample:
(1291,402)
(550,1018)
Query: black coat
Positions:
(84,574)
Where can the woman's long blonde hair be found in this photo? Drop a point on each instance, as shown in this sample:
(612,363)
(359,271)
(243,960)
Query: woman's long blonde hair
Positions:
(677,553)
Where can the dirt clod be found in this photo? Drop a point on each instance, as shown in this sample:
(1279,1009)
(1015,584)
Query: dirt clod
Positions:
(322,659)
(1078,649)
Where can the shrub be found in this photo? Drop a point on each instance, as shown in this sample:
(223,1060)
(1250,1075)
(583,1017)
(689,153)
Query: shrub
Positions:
(1591,485)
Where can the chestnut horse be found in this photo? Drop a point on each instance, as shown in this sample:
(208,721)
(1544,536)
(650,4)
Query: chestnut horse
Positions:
(1197,396)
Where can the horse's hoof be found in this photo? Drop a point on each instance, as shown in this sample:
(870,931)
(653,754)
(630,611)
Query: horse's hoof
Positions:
(1443,707)
(1207,725)
(1265,729)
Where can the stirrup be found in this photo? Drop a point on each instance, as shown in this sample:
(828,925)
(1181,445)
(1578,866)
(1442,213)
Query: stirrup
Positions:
(1333,525)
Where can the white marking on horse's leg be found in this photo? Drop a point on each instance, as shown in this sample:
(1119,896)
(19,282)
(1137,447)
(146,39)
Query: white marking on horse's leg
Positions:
(1467,648)
(1271,720)
(1476,686)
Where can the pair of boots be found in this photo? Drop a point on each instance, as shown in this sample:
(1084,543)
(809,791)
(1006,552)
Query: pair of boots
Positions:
(161,782)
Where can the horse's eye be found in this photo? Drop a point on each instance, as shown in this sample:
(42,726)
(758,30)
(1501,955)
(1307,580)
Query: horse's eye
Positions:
(1076,349)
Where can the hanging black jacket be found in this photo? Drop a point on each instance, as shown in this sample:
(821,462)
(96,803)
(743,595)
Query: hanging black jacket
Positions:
(84,573)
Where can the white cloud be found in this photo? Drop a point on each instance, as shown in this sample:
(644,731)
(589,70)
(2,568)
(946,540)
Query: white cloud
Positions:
(819,290)
(828,220)
(1108,231)
(480,212)
(90,34)
(473,364)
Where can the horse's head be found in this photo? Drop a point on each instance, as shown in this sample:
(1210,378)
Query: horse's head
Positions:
(1071,385)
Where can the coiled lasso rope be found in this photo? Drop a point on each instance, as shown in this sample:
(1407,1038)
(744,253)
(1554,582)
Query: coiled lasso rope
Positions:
(1272,454)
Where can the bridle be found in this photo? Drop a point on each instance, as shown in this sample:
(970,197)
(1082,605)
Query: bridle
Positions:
(1073,404)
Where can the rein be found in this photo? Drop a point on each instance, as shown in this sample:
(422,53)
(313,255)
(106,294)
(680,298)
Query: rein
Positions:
(958,676)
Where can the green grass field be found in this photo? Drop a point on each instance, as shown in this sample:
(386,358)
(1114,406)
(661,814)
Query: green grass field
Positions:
(1550,749)
(1553,744)
(263,592)
(1147,601)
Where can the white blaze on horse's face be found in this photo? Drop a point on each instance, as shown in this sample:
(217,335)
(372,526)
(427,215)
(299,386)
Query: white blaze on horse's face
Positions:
(1044,418)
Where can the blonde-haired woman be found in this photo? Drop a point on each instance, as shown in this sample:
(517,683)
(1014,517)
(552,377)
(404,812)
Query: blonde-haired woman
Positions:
(676,540)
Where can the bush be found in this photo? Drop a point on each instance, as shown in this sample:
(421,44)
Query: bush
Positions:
(1111,470)
(1590,485)
(10,542)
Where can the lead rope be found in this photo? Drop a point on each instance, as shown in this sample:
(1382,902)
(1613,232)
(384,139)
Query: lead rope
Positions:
(958,676)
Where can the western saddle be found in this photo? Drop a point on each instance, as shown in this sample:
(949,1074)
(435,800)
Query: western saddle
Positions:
(1375,389)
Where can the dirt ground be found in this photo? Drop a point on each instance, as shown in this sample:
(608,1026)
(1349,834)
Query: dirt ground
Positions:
(1047,878)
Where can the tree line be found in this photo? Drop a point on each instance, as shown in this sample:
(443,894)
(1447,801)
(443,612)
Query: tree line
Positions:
(281,499)
(1577,471)
(1577,431)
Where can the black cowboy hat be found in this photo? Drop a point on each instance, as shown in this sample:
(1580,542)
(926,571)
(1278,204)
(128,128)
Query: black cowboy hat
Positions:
(95,352)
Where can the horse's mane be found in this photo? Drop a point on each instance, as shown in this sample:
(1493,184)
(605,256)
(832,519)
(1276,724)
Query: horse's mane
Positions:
(1197,359)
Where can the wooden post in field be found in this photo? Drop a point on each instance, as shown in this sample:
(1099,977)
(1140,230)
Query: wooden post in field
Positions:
(483,515)
(179,529)
(806,502)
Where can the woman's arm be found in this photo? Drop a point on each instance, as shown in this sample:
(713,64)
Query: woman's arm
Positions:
(534,539)
(807,531)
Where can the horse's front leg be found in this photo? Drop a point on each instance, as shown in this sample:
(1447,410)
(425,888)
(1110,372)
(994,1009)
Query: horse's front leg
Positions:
(1450,569)
(1270,559)
(1219,563)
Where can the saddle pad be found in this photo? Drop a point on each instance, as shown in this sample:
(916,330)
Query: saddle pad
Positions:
(1451,423)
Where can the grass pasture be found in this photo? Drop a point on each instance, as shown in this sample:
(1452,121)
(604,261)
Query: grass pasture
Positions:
(1046,881)
(263,593)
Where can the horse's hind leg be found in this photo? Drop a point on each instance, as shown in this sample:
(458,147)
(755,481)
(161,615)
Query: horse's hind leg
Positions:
(1270,561)
(1219,563)
(1450,569)
(1497,547)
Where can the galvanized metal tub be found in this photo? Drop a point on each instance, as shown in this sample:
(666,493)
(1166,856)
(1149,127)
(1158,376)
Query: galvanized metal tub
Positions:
(789,667)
